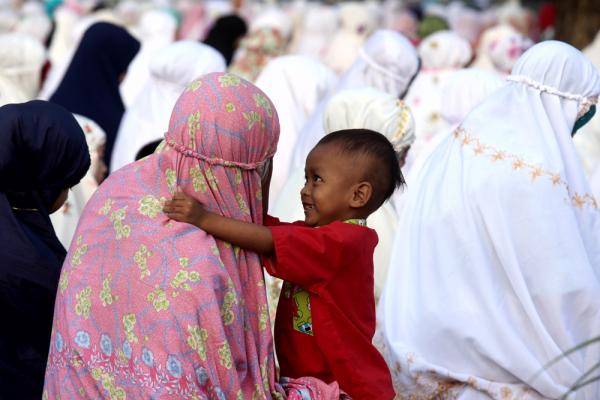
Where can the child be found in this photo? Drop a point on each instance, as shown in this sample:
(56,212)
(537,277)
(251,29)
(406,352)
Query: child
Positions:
(326,314)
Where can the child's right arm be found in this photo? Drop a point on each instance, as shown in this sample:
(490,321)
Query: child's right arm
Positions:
(254,237)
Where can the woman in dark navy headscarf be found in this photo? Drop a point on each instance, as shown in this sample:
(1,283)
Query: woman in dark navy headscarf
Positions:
(90,86)
(43,153)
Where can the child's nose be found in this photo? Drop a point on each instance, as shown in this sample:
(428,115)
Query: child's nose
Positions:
(304,191)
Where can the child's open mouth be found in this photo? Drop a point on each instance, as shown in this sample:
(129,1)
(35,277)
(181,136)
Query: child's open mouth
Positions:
(307,207)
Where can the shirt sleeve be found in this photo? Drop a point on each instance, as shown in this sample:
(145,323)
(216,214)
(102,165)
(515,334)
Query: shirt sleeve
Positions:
(311,257)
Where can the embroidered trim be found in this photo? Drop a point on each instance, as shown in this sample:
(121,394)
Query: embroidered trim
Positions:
(517,163)
(363,54)
(550,90)
(186,151)
(401,131)
(356,221)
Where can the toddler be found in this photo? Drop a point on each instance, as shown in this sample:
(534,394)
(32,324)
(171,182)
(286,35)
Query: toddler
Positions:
(326,313)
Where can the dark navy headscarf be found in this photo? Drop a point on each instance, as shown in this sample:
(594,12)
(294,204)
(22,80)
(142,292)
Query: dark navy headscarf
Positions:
(225,35)
(42,151)
(90,86)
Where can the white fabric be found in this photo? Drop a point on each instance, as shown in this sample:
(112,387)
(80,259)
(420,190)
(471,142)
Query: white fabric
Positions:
(444,50)
(357,22)
(595,183)
(358,108)
(465,89)
(441,53)
(295,85)
(318,27)
(496,263)
(587,139)
(65,219)
(156,31)
(499,48)
(34,21)
(21,60)
(171,70)
(275,18)
(387,62)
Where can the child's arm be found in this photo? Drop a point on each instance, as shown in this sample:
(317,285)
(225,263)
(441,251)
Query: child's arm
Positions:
(254,237)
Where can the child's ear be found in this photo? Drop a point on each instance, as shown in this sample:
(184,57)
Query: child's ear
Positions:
(361,194)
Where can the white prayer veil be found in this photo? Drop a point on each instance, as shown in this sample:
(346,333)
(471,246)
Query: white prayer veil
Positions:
(365,108)
(387,62)
(295,84)
(156,30)
(21,60)
(66,218)
(171,70)
(496,263)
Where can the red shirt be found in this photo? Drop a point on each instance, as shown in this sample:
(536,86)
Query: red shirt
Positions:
(326,314)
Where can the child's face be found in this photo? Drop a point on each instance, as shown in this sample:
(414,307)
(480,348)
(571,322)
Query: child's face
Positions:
(328,188)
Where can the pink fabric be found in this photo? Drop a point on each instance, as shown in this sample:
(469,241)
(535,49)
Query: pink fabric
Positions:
(152,308)
(308,388)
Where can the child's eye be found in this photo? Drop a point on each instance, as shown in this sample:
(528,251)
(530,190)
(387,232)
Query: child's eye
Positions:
(317,178)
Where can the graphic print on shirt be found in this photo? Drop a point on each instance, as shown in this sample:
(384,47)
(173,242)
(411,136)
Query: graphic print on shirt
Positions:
(302,319)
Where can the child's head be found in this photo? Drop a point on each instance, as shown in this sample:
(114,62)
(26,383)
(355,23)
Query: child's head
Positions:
(349,174)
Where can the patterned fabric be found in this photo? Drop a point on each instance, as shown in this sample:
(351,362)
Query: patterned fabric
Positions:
(149,307)
(258,48)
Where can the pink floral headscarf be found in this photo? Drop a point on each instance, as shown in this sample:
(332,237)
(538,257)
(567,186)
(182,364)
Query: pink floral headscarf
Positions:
(150,307)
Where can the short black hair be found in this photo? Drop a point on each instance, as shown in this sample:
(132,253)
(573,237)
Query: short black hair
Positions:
(384,172)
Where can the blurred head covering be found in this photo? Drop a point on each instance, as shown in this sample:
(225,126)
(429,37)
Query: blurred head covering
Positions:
(156,30)
(8,20)
(444,50)
(295,84)
(90,86)
(217,154)
(357,22)
(21,60)
(256,50)
(387,62)
(465,21)
(318,27)
(441,53)
(65,219)
(171,71)
(34,21)
(368,108)
(499,48)
(225,34)
(194,20)
(42,152)
(500,200)
(275,18)
(464,90)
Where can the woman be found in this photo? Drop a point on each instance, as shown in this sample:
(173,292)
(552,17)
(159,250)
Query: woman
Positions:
(42,154)
(90,86)
(225,35)
(171,70)
(295,84)
(496,263)
(149,307)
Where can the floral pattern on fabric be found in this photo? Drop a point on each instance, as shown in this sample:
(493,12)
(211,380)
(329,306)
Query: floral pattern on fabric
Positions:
(153,308)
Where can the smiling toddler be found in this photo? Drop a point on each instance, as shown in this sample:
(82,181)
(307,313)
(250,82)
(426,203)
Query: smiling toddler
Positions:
(326,313)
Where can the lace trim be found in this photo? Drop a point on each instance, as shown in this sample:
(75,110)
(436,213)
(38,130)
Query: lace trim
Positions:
(186,151)
(550,90)
(362,54)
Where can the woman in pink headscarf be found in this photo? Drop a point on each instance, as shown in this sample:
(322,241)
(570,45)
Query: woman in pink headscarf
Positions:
(152,308)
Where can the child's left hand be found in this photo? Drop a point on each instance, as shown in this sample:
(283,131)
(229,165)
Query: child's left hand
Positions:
(184,208)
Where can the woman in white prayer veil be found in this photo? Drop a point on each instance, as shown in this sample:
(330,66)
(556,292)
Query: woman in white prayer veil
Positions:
(587,140)
(65,219)
(387,62)
(295,84)
(496,263)
(21,60)
(366,108)
(156,30)
(442,53)
(171,70)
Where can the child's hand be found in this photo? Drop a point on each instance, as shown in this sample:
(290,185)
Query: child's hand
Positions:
(184,208)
